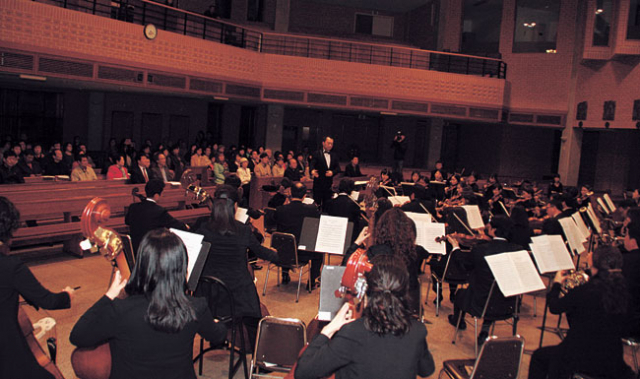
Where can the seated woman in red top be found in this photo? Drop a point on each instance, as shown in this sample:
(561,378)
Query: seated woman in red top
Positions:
(117,170)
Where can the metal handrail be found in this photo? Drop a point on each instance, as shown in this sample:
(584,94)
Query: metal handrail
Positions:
(188,23)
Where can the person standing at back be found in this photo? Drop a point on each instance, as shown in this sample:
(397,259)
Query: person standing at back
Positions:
(323,167)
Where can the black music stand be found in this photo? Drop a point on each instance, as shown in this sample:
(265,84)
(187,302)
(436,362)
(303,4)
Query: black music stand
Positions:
(309,236)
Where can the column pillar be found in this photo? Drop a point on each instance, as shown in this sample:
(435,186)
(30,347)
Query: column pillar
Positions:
(95,124)
(274,128)
(435,142)
(283,9)
(570,152)
(450,25)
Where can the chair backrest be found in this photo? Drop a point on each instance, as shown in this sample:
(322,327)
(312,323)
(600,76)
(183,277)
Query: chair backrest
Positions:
(279,342)
(499,358)
(270,224)
(498,307)
(287,248)
(219,296)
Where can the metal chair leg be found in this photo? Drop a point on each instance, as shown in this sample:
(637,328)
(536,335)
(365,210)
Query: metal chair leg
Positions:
(266,280)
(299,282)
(438,291)
(201,363)
(455,335)
(309,278)
(475,336)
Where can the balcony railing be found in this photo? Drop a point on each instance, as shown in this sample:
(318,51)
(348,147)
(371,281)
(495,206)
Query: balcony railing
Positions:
(195,25)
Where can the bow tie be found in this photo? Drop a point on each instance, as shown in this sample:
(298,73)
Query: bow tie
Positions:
(325,152)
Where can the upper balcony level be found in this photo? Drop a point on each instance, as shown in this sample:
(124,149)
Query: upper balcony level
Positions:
(104,42)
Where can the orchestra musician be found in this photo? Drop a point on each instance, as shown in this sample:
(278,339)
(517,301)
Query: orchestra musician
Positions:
(439,174)
(344,206)
(416,178)
(352,170)
(631,272)
(151,331)
(596,312)
(17,280)
(555,187)
(386,342)
(473,298)
(495,201)
(420,201)
(584,199)
(227,258)
(147,214)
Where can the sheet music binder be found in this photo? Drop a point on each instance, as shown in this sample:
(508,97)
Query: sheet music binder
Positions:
(309,234)
(330,280)
(196,272)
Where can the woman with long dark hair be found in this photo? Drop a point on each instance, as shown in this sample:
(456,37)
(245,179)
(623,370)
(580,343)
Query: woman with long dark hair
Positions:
(227,259)
(151,331)
(17,280)
(597,313)
(386,342)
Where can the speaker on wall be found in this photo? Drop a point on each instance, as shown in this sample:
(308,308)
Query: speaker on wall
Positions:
(636,110)
(609,112)
(581,113)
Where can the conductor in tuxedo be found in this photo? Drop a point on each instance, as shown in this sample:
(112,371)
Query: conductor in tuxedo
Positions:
(323,167)
(473,299)
(289,219)
(148,214)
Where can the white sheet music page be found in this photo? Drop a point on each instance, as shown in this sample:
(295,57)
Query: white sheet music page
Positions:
(332,232)
(241,215)
(474,218)
(551,253)
(572,234)
(354,195)
(515,273)
(582,227)
(419,217)
(592,216)
(399,200)
(609,202)
(427,235)
(307,200)
(193,243)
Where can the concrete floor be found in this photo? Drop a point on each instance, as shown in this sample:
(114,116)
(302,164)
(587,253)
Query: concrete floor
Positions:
(92,273)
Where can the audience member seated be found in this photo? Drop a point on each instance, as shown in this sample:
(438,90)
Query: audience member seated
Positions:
(263,169)
(118,169)
(220,169)
(386,342)
(596,312)
(176,163)
(140,171)
(38,155)
(9,171)
(68,157)
(227,258)
(17,280)
(199,160)
(84,172)
(151,331)
(29,166)
(294,172)
(289,219)
(161,171)
(352,169)
(279,168)
(56,166)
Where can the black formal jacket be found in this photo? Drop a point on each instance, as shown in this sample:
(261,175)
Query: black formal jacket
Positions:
(354,352)
(343,206)
(25,170)
(592,345)
(319,163)
(631,272)
(414,206)
(136,176)
(552,226)
(16,359)
(481,278)
(352,171)
(289,217)
(11,175)
(156,173)
(138,350)
(228,261)
(293,174)
(145,216)
(54,169)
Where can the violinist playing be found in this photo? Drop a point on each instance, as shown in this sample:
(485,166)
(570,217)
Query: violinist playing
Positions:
(387,342)
(17,280)
(584,199)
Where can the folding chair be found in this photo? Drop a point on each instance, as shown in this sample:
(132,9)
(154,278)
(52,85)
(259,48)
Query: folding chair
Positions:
(499,358)
(217,292)
(278,345)
(287,248)
(270,224)
(439,281)
(496,308)
(634,345)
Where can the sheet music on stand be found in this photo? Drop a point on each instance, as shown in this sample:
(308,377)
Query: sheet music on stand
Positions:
(241,215)
(594,219)
(197,252)
(332,232)
(609,202)
(515,273)
(602,205)
(551,254)
(582,227)
(354,195)
(399,200)
(474,218)
(308,200)
(573,235)
(426,237)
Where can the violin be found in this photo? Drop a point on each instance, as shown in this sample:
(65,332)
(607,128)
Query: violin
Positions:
(43,360)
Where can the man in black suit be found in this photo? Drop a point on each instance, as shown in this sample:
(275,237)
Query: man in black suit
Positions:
(140,173)
(56,165)
(551,225)
(473,299)
(344,206)
(289,219)
(353,168)
(323,167)
(161,171)
(420,201)
(148,215)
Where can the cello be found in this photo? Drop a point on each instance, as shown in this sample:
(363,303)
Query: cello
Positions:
(95,362)
(43,360)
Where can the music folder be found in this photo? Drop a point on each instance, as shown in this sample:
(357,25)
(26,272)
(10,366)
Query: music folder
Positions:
(197,252)
(329,303)
(311,230)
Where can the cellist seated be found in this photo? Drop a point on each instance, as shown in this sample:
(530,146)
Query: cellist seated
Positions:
(386,342)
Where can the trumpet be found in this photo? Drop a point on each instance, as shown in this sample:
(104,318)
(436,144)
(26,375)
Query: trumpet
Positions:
(575,279)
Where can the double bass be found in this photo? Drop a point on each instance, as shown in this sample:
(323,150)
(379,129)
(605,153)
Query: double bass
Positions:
(95,362)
